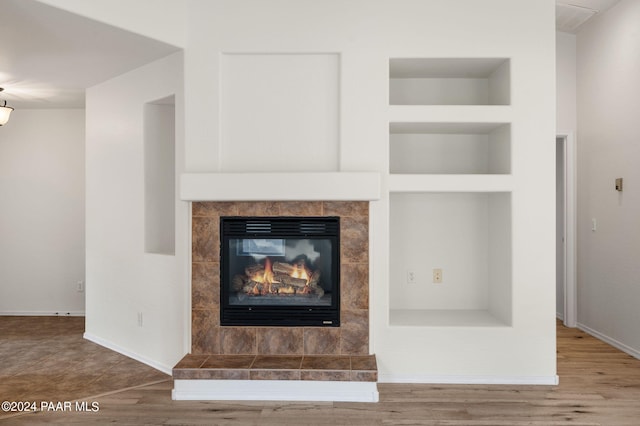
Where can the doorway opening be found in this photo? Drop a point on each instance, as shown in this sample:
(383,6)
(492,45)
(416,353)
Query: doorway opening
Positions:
(566,286)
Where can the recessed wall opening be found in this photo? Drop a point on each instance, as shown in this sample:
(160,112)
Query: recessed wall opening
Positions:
(450,148)
(449,81)
(159,176)
(451,259)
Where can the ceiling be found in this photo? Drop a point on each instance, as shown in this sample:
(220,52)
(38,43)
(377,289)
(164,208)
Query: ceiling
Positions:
(572,14)
(48,57)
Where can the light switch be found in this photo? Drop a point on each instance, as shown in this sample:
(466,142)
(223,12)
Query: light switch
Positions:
(619,184)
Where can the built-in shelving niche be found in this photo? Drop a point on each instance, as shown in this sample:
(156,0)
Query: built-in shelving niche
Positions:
(450,192)
(449,148)
(449,81)
(465,234)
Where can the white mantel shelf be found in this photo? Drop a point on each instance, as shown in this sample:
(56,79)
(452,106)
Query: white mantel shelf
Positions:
(334,186)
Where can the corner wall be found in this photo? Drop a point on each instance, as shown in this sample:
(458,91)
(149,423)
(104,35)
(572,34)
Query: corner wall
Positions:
(42,210)
(608,104)
(135,300)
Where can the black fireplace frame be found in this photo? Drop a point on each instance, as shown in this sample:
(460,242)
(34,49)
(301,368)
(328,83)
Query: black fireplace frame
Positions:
(279,227)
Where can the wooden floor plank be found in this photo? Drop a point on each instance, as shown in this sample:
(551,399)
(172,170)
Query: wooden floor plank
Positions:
(599,385)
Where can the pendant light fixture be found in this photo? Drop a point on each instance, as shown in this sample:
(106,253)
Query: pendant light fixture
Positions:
(5,112)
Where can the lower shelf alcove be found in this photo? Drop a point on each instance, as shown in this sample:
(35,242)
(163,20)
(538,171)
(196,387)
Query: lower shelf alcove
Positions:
(466,237)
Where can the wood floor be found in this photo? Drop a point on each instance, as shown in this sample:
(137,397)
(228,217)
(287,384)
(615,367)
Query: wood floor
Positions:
(599,385)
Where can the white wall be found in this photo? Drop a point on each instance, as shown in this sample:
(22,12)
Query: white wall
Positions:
(265,128)
(42,220)
(366,34)
(566,83)
(608,70)
(437,230)
(135,300)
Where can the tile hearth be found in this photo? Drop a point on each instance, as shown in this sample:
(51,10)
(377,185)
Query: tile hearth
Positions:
(277,367)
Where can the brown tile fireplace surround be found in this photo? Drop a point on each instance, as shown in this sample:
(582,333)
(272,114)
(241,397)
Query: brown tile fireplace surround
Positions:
(280,353)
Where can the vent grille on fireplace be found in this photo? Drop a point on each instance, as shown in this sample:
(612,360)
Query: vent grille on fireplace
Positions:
(281,226)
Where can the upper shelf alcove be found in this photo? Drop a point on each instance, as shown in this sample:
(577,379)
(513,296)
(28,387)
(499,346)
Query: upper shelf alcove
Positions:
(449,148)
(453,81)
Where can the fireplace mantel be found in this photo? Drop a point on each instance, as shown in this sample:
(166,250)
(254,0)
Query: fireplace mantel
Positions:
(337,186)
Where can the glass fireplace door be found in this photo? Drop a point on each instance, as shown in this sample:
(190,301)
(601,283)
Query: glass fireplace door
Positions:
(282,271)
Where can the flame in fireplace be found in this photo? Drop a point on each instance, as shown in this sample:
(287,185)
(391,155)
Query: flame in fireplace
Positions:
(301,272)
(266,281)
(268,272)
(266,278)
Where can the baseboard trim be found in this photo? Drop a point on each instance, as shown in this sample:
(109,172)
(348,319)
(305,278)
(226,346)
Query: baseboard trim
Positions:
(274,390)
(468,380)
(117,348)
(611,341)
(61,313)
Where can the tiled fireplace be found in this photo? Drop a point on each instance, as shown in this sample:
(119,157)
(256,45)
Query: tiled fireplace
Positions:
(281,353)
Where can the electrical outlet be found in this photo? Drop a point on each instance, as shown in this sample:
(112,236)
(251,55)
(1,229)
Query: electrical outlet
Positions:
(80,286)
(619,184)
(411,277)
(437,276)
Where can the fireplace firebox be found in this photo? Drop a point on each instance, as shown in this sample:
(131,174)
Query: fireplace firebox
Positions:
(280,271)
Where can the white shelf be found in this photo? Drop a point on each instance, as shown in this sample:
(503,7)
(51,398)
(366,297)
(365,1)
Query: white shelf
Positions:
(443,318)
(336,186)
(449,81)
(449,113)
(446,128)
(450,183)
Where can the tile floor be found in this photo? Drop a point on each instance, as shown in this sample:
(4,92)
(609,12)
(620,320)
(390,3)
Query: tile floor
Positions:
(47,359)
